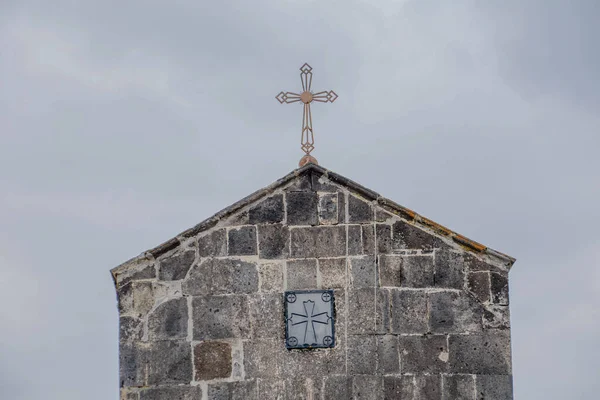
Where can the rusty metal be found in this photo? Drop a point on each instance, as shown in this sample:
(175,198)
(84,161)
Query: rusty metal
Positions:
(307,140)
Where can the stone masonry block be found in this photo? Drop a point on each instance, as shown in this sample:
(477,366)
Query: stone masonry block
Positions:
(220,317)
(333,272)
(341,207)
(359,211)
(302,208)
(147,272)
(390,270)
(212,360)
(273,241)
(388,356)
(417,271)
(485,353)
(337,387)
(169,362)
(321,241)
(449,269)
(368,239)
(407,236)
(262,358)
(176,267)
(303,388)
(392,388)
(242,241)
(130,328)
(265,313)
(301,274)
(271,277)
(328,211)
(424,354)
(494,387)
(136,298)
(427,387)
(213,244)
(454,312)
(408,311)
(383,234)
(367,387)
(458,387)
(362,312)
(242,390)
(271,389)
(479,285)
(132,364)
(354,240)
(172,393)
(222,276)
(268,211)
(169,320)
(363,271)
(360,358)
(126,394)
(499,284)
(496,317)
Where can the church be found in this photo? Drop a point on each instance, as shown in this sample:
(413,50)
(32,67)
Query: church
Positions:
(315,287)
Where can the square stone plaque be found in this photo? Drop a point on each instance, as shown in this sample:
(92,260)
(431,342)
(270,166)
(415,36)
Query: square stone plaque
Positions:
(309,319)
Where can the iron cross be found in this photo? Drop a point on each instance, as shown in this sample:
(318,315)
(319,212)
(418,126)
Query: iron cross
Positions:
(307,142)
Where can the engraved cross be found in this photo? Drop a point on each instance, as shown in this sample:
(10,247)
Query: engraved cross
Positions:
(310,319)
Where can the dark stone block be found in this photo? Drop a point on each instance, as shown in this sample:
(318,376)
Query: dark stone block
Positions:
(392,388)
(273,241)
(494,387)
(261,358)
(424,354)
(176,267)
(270,210)
(458,387)
(499,284)
(427,387)
(359,211)
(365,387)
(220,317)
(265,310)
(407,236)
(136,298)
(126,394)
(169,320)
(452,312)
(302,208)
(301,183)
(417,271)
(242,241)
(328,212)
(368,311)
(130,328)
(360,358)
(487,353)
(363,272)
(479,285)
(322,241)
(169,362)
(132,364)
(388,359)
(242,390)
(408,311)
(390,270)
(341,208)
(333,272)
(213,244)
(302,274)
(172,393)
(222,276)
(368,239)
(148,272)
(337,387)
(449,269)
(496,317)
(321,184)
(354,240)
(212,360)
(384,238)
(271,389)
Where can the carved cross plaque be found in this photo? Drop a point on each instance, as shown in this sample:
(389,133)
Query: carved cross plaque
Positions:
(309,319)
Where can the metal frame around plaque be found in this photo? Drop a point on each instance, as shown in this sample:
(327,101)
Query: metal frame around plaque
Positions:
(317,308)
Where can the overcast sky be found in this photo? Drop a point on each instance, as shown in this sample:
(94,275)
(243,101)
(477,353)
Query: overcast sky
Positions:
(123,123)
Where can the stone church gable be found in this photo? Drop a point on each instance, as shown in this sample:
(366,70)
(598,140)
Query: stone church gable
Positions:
(419,309)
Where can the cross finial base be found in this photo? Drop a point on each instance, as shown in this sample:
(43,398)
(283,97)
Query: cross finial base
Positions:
(307,159)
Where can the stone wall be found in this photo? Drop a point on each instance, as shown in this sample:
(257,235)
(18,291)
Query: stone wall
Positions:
(417,316)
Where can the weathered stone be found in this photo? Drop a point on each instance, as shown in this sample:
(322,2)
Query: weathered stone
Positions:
(368,239)
(499,284)
(384,238)
(132,364)
(265,312)
(261,358)
(136,298)
(333,272)
(354,240)
(273,241)
(407,236)
(367,387)
(359,211)
(363,272)
(494,387)
(392,388)
(147,272)
(449,269)
(220,317)
(314,364)
(271,277)
(381,215)
(382,311)
(475,264)
(270,210)
(303,388)
(417,271)
(127,394)
(242,241)
(496,317)
(176,267)
(341,208)
(301,183)
(172,393)
(390,270)
(271,389)
(337,387)
(320,183)
(242,390)
(130,328)
(213,244)
(321,241)
(361,304)
(388,357)
(222,276)
(485,353)
(427,387)
(424,354)
(212,360)
(302,208)
(454,312)
(479,285)
(408,311)
(169,320)
(169,362)
(301,274)
(328,212)
(458,387)
(360,355)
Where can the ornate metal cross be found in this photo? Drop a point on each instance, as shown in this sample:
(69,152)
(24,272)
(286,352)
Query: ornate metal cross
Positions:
(307,96)
(310,319)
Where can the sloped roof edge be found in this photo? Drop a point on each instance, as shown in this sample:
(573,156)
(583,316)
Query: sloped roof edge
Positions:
(385,203)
